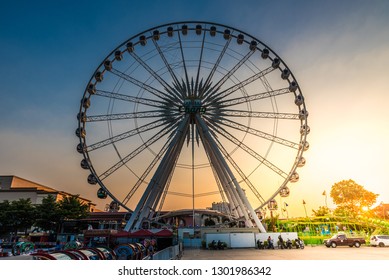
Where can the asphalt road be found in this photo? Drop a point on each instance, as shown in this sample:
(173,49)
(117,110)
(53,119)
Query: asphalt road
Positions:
(309,253)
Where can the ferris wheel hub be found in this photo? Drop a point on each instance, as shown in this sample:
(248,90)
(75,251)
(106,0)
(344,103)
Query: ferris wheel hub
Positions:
(192,106)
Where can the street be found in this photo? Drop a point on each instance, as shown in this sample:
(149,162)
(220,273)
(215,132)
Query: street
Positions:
(309,253)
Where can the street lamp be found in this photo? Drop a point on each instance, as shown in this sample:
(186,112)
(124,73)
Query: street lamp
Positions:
(325,194)
(305,209)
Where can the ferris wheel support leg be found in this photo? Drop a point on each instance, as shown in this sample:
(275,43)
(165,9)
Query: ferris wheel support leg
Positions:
(162,176)
(220,159)
(157,196)
(233,198)
(223,192)
(224,176)
(158,182)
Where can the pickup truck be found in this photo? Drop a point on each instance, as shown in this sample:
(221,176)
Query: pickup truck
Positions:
(342,239)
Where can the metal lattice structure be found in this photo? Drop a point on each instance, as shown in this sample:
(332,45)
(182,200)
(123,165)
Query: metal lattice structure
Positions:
(192,109)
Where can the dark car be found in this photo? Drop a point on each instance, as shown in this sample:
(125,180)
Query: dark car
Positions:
(341,239)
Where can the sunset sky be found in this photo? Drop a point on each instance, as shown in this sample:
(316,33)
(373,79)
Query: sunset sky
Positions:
(338,50)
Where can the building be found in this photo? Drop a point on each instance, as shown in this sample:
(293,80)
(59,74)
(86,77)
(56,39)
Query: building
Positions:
(222,207)
(14,188)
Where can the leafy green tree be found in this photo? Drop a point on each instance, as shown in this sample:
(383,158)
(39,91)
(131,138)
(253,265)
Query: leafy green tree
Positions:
(71,207)
(322,211)
(351,198)
(20,215)
(48,214)
(5,217)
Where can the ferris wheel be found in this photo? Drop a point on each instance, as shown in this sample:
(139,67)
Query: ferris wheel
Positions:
(189,113)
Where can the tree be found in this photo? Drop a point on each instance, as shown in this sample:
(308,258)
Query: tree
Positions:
(351,198)
(17,215)
(24,213)
(48,214)
(71,207)
(5,218)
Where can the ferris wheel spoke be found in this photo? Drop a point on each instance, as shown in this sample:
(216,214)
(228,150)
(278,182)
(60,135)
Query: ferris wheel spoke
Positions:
(184,65)
(260,75)
(264,115)
(204,90)
(168,66)
(248,150)
(128,98)
(199,66)
(254,97)
(240,172)
(128,116)
(148,88)
(172,92)
(137,151)
(259,133)
(128,134)
(147,171)
(213,92)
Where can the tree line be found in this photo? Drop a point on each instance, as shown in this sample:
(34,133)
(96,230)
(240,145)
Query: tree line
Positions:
(20,215)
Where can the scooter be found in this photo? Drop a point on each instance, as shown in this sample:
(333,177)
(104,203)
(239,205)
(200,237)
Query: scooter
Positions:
(220,245)
(288,244)
(281,243)
(260,244)
(299,243)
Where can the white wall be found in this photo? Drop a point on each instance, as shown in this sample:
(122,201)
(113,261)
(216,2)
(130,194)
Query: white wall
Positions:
(247,239)
(242,240)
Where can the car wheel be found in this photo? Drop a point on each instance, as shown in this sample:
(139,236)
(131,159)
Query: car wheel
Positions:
(333,245)
(357,244)
(381,244)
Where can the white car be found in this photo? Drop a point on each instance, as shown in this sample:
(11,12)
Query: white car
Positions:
(379,240)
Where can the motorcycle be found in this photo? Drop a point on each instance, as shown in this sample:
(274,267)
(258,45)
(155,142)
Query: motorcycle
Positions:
(288,244)
(219,245)
(281,243)
(260,244)
(299,243)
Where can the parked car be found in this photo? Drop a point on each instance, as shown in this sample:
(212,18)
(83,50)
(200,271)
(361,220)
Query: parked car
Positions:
(341,239)
(379,240)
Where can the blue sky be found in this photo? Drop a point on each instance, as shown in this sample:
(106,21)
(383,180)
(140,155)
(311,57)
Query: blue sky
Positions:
(338,50)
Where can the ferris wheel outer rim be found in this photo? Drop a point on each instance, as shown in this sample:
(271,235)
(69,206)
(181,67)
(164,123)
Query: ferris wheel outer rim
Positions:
(304,121)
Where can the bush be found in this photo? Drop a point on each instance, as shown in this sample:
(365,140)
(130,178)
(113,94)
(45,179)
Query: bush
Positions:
(313,240)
